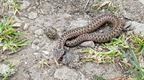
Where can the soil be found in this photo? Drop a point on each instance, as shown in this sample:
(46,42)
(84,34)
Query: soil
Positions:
(39,17)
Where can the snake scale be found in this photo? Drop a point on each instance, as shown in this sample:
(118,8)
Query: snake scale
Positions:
(87,33)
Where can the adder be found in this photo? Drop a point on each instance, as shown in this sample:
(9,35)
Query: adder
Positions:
(76,36)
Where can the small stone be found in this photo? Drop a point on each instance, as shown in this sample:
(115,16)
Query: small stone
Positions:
(36,41)
(137,27)
(26,26)
(35,53)
(39,32)
(64,73)
(101,31)
(25,4)
(48,55)
(36,36)
(32,15)
(48,23)
(70,58)
(35,47)
(45,52)
(67,16)
(79,22)
(88,44)
(127,15)
(99,48)
(92,68)
(25,62)
(142,1)
(17,24)
(51,71)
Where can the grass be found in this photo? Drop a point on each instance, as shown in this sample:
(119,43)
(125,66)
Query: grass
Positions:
(10,38)
(16,6)
(128,49)
(12,4)
(135,68)
(43,63)
(101,57)
(138,43)
(8,70)
(112,51)
(98,77)
(106,6)
(134,54)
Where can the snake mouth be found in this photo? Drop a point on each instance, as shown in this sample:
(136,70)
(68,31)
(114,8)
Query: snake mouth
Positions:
(58,55)
(61,57)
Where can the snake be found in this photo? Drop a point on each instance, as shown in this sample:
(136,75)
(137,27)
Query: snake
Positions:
(78,35)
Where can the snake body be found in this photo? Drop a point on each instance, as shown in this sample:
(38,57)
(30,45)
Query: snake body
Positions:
(78,35)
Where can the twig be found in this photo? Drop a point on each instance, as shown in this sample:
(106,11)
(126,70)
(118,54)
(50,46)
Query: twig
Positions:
(86,4)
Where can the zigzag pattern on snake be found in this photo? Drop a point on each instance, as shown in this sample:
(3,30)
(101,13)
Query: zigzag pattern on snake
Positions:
(76,36)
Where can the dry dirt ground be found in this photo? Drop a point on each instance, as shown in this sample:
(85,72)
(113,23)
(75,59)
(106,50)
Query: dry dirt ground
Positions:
(38,16)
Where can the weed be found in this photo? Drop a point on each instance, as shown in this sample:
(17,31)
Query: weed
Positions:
(105,6)
(98,77)
(102,57)
(43,63)
(138,43)
(131,52)
(9,37)
(122,41)
(12,4)
(126,48)
(7,70)
(16,6)
(135,68)
(111,53)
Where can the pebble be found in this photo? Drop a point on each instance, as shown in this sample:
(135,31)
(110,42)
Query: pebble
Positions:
(92,68)
(45,52)
(18,24)
(87,44)
(64,73)
(36,41)
(32,15)
(99,48)
(39,32)
(79,22)
(142,1)
(70,58)
(137,27)
(25,4)
(67,16)
(133,10)
(107,71)
(26,26)
(35,53)
(51,71)
(35,47)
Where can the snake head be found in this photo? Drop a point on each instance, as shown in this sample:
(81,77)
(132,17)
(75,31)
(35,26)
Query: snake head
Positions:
(58,54)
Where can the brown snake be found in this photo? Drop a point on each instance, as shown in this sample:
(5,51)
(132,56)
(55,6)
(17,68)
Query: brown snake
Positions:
(81,34)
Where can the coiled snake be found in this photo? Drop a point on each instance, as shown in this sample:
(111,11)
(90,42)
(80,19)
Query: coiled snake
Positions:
(81,34)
